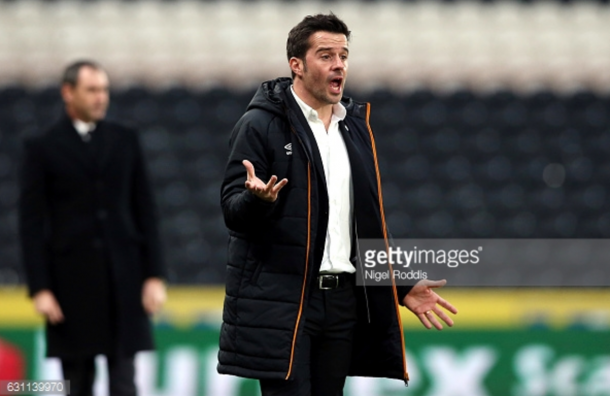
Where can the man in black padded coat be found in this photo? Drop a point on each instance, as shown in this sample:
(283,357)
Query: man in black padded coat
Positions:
(89,236)
(302,184)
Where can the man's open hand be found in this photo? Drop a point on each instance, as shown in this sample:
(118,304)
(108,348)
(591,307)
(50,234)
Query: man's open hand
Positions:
(425,304)
(265,191)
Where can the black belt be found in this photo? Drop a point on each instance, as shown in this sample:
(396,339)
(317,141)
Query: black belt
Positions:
(334,281)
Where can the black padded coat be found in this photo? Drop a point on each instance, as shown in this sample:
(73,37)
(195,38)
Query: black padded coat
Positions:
(275,249)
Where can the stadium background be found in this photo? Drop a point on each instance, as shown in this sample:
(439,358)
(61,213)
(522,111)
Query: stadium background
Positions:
(492,121)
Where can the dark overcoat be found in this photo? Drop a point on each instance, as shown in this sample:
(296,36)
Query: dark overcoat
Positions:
(89,234)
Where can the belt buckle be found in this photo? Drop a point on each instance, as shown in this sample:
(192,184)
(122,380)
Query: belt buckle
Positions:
(321,279)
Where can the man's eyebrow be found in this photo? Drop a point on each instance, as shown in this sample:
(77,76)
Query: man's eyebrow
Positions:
(323,49)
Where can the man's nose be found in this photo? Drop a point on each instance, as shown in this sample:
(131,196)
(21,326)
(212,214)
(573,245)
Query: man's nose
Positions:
(339,63)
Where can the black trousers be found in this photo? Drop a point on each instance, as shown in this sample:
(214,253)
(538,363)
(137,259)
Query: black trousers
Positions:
(323,355)
(81,374)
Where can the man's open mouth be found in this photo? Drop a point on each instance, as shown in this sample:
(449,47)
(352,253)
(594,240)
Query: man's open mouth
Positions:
(335,84)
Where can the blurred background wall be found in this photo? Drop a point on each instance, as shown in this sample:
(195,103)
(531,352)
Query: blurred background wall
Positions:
(492,121)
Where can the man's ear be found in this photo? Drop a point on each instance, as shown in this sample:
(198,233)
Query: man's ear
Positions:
(296,65)
(67,93)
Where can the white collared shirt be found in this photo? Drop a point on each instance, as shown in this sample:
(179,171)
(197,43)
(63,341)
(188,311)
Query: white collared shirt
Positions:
(337,170)
(83,128)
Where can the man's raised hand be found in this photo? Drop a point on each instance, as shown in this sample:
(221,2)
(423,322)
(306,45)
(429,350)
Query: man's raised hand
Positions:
(265,191)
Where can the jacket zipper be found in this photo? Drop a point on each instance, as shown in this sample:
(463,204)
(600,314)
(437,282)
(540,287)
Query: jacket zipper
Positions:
(385,237)
(296,327)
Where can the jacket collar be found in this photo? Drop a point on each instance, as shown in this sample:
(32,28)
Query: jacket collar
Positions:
(271,96)
(339,111)
(76,148)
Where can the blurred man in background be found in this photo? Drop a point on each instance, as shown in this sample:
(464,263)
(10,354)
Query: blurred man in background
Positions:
(301,186)
(89,236)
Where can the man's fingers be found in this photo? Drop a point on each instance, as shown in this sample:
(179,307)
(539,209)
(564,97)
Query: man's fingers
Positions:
(434,284)
(447,305)
(152,304)
(146,305)
(266,191)
(249,169)
(432,318)
(57,318)
(424,320)
(147,302)
(149,306)
(55,315)
(441,314)
(50,314)
(153,297)
(50,308)
(279,186)
(271,183)
(60,317)
(157,305)
(251,186)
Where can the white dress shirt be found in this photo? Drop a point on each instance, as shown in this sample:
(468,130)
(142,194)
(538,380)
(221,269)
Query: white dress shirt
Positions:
(338,245)
(83,128)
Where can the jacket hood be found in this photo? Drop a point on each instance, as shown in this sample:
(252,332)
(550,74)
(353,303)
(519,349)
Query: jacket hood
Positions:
(271,96)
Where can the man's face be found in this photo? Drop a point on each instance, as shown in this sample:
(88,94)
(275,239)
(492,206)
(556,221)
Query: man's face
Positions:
(88,99)
(325,67)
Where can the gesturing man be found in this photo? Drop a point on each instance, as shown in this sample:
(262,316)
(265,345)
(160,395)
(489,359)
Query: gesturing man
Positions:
(89,236)
(301,186)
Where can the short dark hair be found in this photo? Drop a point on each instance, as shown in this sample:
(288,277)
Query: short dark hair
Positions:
(70,75)
(298,44)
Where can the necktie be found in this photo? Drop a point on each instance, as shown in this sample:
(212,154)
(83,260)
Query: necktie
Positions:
(87,136)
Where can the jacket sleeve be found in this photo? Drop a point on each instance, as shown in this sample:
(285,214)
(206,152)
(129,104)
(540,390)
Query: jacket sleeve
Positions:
(32,214)
(243,210)
(145,215)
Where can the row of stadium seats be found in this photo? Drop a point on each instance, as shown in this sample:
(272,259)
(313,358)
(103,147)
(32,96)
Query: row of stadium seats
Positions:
(395,44)
(457,165)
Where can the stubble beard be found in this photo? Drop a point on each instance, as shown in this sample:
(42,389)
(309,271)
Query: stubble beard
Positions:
(320,94)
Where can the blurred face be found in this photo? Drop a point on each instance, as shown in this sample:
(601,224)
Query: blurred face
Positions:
(323,72)
(88,99)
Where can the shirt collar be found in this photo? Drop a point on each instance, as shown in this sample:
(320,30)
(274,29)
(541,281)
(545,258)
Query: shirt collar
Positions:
(339,111)
(83,127)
